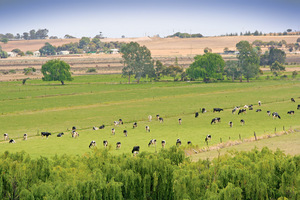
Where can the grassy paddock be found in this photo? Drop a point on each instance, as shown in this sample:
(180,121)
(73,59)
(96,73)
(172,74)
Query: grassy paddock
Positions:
(101,99)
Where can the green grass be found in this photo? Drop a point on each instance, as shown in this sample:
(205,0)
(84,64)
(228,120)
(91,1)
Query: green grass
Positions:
(101,99)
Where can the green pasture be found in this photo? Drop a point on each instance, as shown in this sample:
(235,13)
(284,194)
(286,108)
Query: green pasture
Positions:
(102,99)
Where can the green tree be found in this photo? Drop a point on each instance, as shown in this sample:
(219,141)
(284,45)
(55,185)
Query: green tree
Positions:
(277,67)
(48,49)
(207,50)
(56,70)
(231,69)
(159,69)
(84,42)
(29,53)
(248,60)
(173,71)
(4,40)
(137,60)
(3,54)
(207,66)
(276,55)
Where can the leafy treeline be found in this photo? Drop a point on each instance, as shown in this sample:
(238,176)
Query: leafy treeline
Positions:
(166,175)
(31,35)
(186,35)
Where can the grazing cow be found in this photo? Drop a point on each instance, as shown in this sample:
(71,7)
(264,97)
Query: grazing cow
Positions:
(161,119)
(291,112)
(275,115)
(25,136)
(298,107)
(149,118)
(75,134)
(125,132)
(120,121)
(118,145)
(258,110)
(230,124)
(259,103)
(196,114)
(245,106)
(135,149)
(60,134)
(218,109)
(92,144)
(147,129)
(293,100)
(233,111)
(203,110)
(95,128)
(134,125)
(250,108)
(215,120)
(163,143)
(6,136)
(105,143)
(269,113)
(242,121)
(178,142)
(113,131)
(189,142)
(12,141)
(116,123)
(179,121)
(242,111)
(157,117)
(73,128)
(208,137)
(45,134)
(152,142)
(102,126)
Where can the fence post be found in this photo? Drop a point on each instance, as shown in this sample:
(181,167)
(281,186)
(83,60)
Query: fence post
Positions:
(220,140)
(255,136)
(240,137)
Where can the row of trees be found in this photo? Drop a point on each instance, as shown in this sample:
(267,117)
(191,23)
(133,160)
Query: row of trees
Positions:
(31,35)
(165,175)
(186,35)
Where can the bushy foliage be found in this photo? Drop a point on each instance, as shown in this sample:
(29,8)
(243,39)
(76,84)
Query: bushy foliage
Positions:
(166,175)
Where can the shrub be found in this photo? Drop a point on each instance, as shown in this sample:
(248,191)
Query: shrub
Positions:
(29,70)
(12,71)
(91,70)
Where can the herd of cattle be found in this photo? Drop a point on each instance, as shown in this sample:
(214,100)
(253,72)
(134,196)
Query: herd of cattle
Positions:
(136,149)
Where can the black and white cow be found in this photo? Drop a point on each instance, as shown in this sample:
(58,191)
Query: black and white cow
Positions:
(269,113)
(118,145)
(208,137)
(12,141)
(92,144)
(259,103)
(73,128)
(161,119)
(95,128)
(242,111)
(217,110)
(157,117)
(178,142)
(113,131)
(25,136)
(189,143)
(179,121)
(47,134)
(120,121)
(242,121)
(196,114)
(230,124)
(102,126)
(135,149)
(116,123)
(60,134)
(298,107)
(203,110)
(147,129)
(150,118)
(105,143)
(215,120)
(258,110)
(152,142)
(134,125)
(291,112)
(74,134)
(125,132)
(6,136)
(233,110)
(163,143)
(293,100)
(275,115)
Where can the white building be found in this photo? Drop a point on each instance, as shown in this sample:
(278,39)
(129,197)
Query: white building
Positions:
(114,51)
(37,54)
(11,54)
(64,53)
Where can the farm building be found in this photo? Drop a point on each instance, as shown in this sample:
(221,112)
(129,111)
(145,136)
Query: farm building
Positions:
(36,54)
(114,51)
(64,53)
(11,54)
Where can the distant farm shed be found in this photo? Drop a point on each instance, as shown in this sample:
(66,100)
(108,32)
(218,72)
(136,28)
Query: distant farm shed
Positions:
(36,54)
(64,53)
(114,51)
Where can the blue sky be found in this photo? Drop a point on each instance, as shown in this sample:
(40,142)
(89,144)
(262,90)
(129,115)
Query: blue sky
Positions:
(138,18)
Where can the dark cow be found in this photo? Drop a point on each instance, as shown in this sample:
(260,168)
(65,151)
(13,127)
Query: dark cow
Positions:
(113,131)
(298,107)
(102,126)
(147,129)
(215,120)
(259,103)
(152,142)
(230,124)
(258,110)
(60,134)
(208,137)
(45,134)
(178,142)
(291,112)
(275,115)
(161,119)
(134,125)
(6,136)
(135,149)
(118,145)
(203,110)
(12,141)
(189,143)
(125,132)
(196,114)
(293,100)
(25,136)
(242,121)
(73,128)
(95,128)
(105,143)
(269,113)
(218,109)
(120,121)
(242,111)
(163,143)
(92,144)
(179,121)
(251,108)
